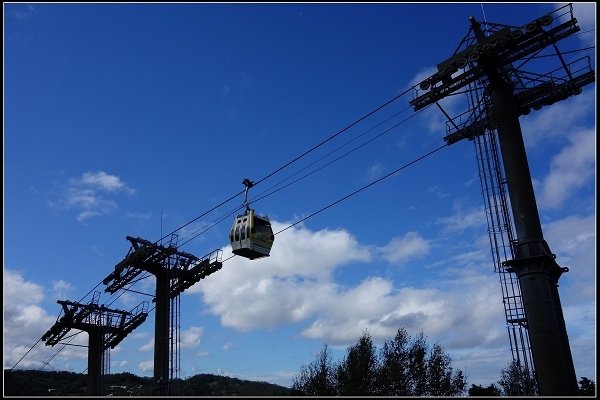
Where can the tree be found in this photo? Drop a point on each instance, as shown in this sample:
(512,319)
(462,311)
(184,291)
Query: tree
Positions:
(459,383)
(317,379)
(587,387)
(418,365)
(477,390)
(356,374)
(517,380)
(439,372)
(406,367)
(394,373)
(441,380)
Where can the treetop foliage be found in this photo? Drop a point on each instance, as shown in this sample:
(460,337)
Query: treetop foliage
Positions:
(402,367)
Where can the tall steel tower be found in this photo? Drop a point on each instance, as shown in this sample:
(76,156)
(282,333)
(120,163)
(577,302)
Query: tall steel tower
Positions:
(106,328)
(175,271)
(490,65)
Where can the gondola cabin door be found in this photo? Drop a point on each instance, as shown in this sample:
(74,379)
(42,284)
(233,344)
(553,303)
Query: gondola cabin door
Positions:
(251,236)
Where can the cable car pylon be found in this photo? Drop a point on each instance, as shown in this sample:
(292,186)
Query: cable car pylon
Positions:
(490,70)
(251,235)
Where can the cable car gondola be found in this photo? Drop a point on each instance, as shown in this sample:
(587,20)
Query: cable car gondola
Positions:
(251,236)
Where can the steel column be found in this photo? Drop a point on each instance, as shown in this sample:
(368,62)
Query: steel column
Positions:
(161,332)
(534,264)
(95,352)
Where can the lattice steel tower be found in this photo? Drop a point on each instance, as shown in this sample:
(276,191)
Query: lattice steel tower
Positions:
(493,67)
(106,328)
(175,271)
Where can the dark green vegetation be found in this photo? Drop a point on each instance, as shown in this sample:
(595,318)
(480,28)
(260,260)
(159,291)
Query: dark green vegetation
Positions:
(52,383)
(403,367)
(513,385)
(587,387)
(516,380)
(407,366)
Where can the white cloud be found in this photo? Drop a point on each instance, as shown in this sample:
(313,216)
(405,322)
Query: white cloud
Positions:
(103,181)
(19,292)
(421,75)
(465,311)
(402,249)
(61,289)
(573,240)
(329,249)
(461,219)
(571,169)
(91,195)
(82,216)
(463,317)
(191,337)
(252,294)
(558,120)
(138,335)
(25,322)
(460,307)
(146,366)
(148,346)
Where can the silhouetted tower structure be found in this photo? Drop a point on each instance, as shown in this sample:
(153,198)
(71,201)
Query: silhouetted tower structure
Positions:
(175,271)
(499,92)
(105,327)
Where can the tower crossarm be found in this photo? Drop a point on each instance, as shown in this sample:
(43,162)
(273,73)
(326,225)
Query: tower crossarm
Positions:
(534,38)
(142,256)
(550,92)
(536,97)
(500,49)
(467,131)
(199,269)
(127,323)
(90,317)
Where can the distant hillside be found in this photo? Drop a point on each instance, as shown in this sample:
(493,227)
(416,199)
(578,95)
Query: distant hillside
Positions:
(61,383)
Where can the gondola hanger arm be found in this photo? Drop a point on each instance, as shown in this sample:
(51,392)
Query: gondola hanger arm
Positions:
(248,183)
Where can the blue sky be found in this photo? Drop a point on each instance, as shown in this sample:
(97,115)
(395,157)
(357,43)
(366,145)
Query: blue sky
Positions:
(134,119)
